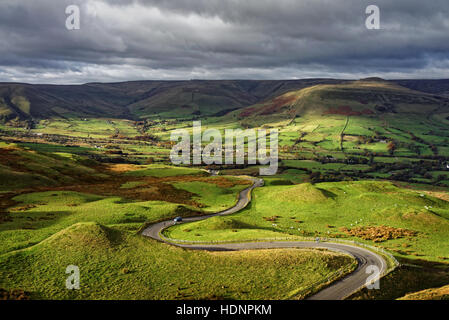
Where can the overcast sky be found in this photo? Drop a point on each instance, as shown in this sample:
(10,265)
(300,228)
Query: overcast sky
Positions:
(221,39)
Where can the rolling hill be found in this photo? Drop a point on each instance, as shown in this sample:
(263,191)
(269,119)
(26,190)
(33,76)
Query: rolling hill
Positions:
(369,97)
(138,99)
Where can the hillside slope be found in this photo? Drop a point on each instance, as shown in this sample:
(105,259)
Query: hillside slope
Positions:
(438,87)
(138,99)
(187,99)
(357,98)
(429,294)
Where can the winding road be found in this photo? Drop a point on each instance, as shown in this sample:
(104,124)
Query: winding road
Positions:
(338,290)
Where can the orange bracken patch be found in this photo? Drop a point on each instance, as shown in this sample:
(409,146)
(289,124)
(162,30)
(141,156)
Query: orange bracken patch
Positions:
(379,233)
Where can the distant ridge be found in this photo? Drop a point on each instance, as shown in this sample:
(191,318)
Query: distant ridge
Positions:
(171,99)
(375,79)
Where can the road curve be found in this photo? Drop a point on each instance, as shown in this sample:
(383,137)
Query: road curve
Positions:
(338,290)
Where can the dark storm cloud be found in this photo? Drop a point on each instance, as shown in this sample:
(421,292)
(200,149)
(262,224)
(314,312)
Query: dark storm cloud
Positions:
(173,39)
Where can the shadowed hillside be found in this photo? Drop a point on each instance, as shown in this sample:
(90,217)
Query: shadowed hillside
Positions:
(138,99)
(195,98)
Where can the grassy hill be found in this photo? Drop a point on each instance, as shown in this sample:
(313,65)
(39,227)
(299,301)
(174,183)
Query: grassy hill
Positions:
(26,101)
(116,264)
(411,224)
(138,99)
(22,168)
(406,222)
(359,98)
(367,128)
(186,99)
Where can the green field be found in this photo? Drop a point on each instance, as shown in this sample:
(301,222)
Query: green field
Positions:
(212,197)
(95,128)
(325,208)
(159,171)
(117,264)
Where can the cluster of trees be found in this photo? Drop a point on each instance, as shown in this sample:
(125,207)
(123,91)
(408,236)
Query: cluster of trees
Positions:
(16,122)
(333,176)
(145,125)
(318,176)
